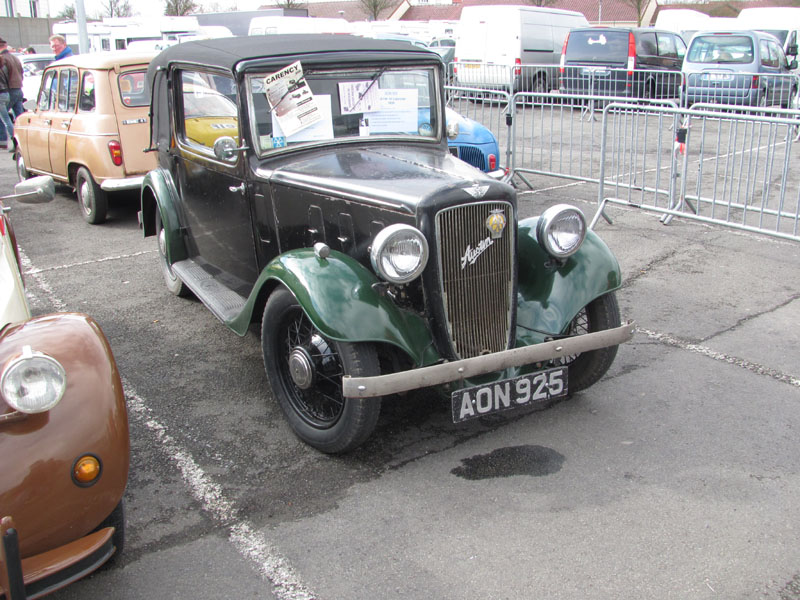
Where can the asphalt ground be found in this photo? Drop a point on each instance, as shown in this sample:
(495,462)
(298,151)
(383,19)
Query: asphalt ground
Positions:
(676,476)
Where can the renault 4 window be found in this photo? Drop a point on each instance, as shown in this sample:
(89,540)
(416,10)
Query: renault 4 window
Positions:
(304,186)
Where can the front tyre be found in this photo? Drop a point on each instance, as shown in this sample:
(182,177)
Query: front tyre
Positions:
(174,284)
(22,170)
(587,368)
(91,197)
(305,372)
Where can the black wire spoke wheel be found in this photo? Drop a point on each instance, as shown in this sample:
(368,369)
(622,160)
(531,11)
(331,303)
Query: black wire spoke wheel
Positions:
(322,403)
(305,371)
(587,368)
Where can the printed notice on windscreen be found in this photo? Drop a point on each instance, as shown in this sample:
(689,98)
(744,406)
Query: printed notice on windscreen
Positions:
(291,100)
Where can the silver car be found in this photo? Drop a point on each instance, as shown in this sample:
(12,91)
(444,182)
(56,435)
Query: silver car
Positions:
(742,68)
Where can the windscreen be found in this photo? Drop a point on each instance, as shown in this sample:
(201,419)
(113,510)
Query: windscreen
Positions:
(292,106)
(721,49)
(597,46)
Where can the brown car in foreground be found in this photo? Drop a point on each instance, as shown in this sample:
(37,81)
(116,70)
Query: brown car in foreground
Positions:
(89,127)
(64,446)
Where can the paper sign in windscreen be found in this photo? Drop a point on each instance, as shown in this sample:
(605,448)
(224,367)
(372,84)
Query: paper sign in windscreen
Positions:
(290,99)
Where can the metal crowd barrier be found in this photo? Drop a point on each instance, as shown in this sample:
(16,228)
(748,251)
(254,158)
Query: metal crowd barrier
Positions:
(741,89)
(719,163)
(728,168)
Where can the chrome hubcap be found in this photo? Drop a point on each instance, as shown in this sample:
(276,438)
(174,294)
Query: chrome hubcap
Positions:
(84,194)
(301,368)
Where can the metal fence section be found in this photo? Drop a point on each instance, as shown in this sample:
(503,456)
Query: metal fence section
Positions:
(487,107)
(741,89)
(728,168)
(620,83)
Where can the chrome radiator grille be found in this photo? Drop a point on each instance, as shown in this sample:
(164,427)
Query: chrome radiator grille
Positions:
(476,275)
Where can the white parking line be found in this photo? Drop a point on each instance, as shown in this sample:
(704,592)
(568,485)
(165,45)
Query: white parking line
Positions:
(249,542)
(706,351)
(32,271)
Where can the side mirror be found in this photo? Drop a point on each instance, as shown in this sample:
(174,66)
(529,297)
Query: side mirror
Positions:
(225,149)
(792,64)
(791,50)
(36,190)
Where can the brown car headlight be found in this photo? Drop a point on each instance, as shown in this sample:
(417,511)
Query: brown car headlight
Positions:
(399,253)
(561,230)
(32,382)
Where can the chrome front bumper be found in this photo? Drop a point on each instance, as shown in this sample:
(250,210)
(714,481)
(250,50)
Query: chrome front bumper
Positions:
(118,185)
(393,383)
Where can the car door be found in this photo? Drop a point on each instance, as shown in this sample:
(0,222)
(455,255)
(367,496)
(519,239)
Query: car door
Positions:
(36,144)
(61,118)
(214,194)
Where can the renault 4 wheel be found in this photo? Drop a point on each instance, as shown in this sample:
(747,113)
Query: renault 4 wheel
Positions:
(22,170)
(91,197)
(587,368)
(305,372)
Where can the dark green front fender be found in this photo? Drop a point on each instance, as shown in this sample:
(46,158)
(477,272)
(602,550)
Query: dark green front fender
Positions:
(549,298)
(159,193)
(337,295)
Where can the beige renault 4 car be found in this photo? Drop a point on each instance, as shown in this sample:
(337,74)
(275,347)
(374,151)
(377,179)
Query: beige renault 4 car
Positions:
(89,127)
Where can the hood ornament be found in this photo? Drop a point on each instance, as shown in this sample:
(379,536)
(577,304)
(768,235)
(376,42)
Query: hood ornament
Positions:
(476,190)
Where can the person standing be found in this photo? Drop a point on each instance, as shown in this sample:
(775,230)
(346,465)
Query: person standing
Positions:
(58,44)
(15,75)
(7,133)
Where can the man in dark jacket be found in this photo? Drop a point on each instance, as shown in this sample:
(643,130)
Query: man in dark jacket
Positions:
(6,127)
(15,75)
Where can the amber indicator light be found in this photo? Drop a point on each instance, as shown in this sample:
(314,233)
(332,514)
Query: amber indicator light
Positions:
(86,470)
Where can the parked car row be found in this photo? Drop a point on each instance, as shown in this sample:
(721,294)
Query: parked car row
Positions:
(308,184)
(90,126)
(724,67)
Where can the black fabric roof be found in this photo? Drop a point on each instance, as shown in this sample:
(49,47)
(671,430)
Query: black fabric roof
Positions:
(227,52)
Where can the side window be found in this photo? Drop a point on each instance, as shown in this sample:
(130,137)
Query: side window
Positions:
(86,101)
(207,109)
(646,46)
(132,88)
(666,45)
(767,56)
(48,89)
(67,90)
(780,57)
(680,46)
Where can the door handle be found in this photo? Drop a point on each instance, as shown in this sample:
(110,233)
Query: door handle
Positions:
(237,188)
(48,122)
(65,124)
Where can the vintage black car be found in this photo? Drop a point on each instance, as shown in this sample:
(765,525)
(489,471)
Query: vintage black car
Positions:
(305,182)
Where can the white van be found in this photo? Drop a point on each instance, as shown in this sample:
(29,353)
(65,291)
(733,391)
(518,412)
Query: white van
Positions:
(494,43)
(781,21)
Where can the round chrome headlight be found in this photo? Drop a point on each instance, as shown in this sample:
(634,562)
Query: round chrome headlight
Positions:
(399,253)
(561,230)
(33,382)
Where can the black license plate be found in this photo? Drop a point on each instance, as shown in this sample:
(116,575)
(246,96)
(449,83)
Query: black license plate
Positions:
(526,390)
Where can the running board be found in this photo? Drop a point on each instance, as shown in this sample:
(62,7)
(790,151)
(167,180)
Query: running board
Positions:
(222,301)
